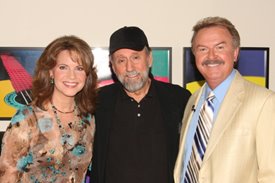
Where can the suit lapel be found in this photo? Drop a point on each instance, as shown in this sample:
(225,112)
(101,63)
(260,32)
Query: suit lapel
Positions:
(189,113)
(230,105)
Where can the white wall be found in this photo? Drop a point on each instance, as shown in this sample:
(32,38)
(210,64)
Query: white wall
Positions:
(35,23)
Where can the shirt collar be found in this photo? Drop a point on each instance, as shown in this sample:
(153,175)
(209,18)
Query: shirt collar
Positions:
(222,88)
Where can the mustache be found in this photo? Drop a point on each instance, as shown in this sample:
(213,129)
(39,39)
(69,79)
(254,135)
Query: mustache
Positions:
(206,62)
(132,73)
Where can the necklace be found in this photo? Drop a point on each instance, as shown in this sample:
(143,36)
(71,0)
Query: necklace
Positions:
(55,108)
(70,143)
(67,138)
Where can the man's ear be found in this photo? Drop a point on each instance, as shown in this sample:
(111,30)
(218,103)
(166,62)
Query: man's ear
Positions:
(236,54)
(150,59)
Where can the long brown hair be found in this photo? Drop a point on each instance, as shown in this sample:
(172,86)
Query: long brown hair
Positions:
(42,89)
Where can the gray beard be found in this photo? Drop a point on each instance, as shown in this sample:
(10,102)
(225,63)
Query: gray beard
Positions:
(133,86)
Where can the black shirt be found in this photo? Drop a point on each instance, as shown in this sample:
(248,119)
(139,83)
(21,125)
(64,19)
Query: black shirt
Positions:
(137,151)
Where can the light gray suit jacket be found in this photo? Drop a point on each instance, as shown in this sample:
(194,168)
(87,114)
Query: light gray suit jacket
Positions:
(241,148)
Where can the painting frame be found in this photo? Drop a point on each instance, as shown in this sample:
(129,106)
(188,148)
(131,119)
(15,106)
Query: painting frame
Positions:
(253,64)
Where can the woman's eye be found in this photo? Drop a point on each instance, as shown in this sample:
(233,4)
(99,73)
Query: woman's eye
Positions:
(80,68)
(62,67)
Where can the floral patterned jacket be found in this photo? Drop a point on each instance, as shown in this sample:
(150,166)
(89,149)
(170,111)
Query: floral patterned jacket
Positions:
(35,150)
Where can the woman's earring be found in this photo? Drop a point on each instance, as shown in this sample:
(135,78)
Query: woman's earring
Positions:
(52,81)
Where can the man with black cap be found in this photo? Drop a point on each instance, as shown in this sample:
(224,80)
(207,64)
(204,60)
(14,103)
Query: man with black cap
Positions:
(137,118)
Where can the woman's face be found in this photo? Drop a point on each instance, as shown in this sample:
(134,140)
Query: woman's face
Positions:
(68,74)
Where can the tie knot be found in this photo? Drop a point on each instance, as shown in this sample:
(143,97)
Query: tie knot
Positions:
(211,96)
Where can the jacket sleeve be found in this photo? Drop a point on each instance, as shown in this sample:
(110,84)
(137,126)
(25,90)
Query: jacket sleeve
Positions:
(265,141)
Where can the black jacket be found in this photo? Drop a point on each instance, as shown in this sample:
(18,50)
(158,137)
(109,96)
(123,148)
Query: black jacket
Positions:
(173,99)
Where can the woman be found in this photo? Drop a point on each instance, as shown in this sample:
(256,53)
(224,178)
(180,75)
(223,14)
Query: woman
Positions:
(51,140)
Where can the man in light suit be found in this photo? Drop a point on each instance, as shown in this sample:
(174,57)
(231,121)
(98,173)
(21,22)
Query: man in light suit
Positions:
(241,146)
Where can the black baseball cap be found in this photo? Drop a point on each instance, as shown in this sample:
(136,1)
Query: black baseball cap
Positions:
(128,37)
